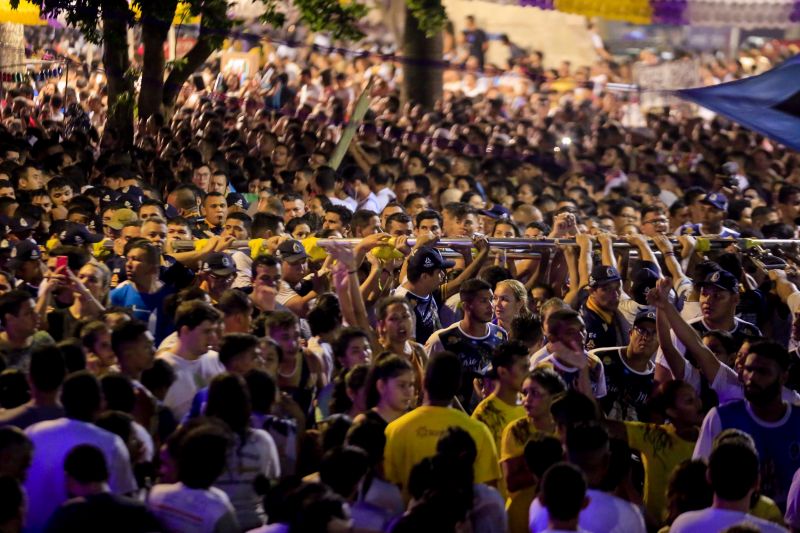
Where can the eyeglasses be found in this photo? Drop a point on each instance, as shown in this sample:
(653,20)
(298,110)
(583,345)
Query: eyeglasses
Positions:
(655,221)
(646,333)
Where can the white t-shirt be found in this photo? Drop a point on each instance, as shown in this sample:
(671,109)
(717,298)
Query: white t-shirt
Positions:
(384,196)
(451,312)
(190,377)
(597,373)
(605,513)
(713,520)
(370,203)
(488,513)
(691,375)
(258,456)
(52,441)
(285,293)
(540,355)
(146,439)
(729,388)
(792,516)
(184,510)
(244,269)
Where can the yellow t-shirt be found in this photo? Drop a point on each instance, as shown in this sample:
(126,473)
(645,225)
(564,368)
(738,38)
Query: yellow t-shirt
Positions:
(767,509)
(497,414)
(512,444)
(413,437)
(662,450)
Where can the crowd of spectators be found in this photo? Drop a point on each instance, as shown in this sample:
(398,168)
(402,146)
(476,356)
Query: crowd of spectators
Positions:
(182,353)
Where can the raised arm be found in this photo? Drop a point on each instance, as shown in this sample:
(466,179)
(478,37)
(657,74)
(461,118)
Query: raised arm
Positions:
(674,268)
(571,258)
(471,271)
(585,261)
(607,257)
(645,252)
(783,286)
(707,362)
(677,364)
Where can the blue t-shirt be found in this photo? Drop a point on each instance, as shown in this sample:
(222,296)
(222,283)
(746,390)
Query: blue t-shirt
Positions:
(149,308)
(778,446)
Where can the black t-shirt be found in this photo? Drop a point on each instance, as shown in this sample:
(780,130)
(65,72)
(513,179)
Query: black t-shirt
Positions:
(426,313)
(475,40)
(474,353)
(742,330)
(627,389)
(102,513)
(116,264)
(600,334)
(175,273)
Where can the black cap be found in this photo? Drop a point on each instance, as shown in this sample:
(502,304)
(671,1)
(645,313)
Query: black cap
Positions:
(645,314)
(643,280)
(602,274)
(26,250)
(721,279)
(108,197)
(130,201)
(219,264)
(238,200)
(23,223)
(427,259)
(75,234)
(291,250)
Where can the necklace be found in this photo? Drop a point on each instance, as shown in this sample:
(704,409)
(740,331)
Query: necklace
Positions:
(294,370)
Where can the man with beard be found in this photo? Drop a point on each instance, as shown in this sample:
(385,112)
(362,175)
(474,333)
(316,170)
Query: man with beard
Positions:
(773,423)
(629,370)
(472,339)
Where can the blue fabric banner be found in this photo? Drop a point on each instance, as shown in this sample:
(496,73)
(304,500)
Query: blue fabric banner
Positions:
(768,103)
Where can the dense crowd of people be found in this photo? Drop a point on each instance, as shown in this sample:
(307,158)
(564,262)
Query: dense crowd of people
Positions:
(183,352)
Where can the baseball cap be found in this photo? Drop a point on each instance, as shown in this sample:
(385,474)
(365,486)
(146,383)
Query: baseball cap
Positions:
(75,234)
(238,200)
(716,199)
(291,250)
(644,279)
(170,211)
(497,212)
(219,264)
(26,250)
(648,313)
(23,223)
(602,275)
(120,218)
(108,197)
(721,279)
(427,258)
(130,201)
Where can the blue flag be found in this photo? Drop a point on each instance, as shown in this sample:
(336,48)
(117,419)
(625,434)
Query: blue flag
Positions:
(768,103)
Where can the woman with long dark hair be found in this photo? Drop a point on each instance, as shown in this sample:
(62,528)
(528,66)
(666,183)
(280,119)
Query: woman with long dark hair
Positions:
(253,456)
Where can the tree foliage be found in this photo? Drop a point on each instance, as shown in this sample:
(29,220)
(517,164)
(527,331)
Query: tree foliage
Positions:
(94,18)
